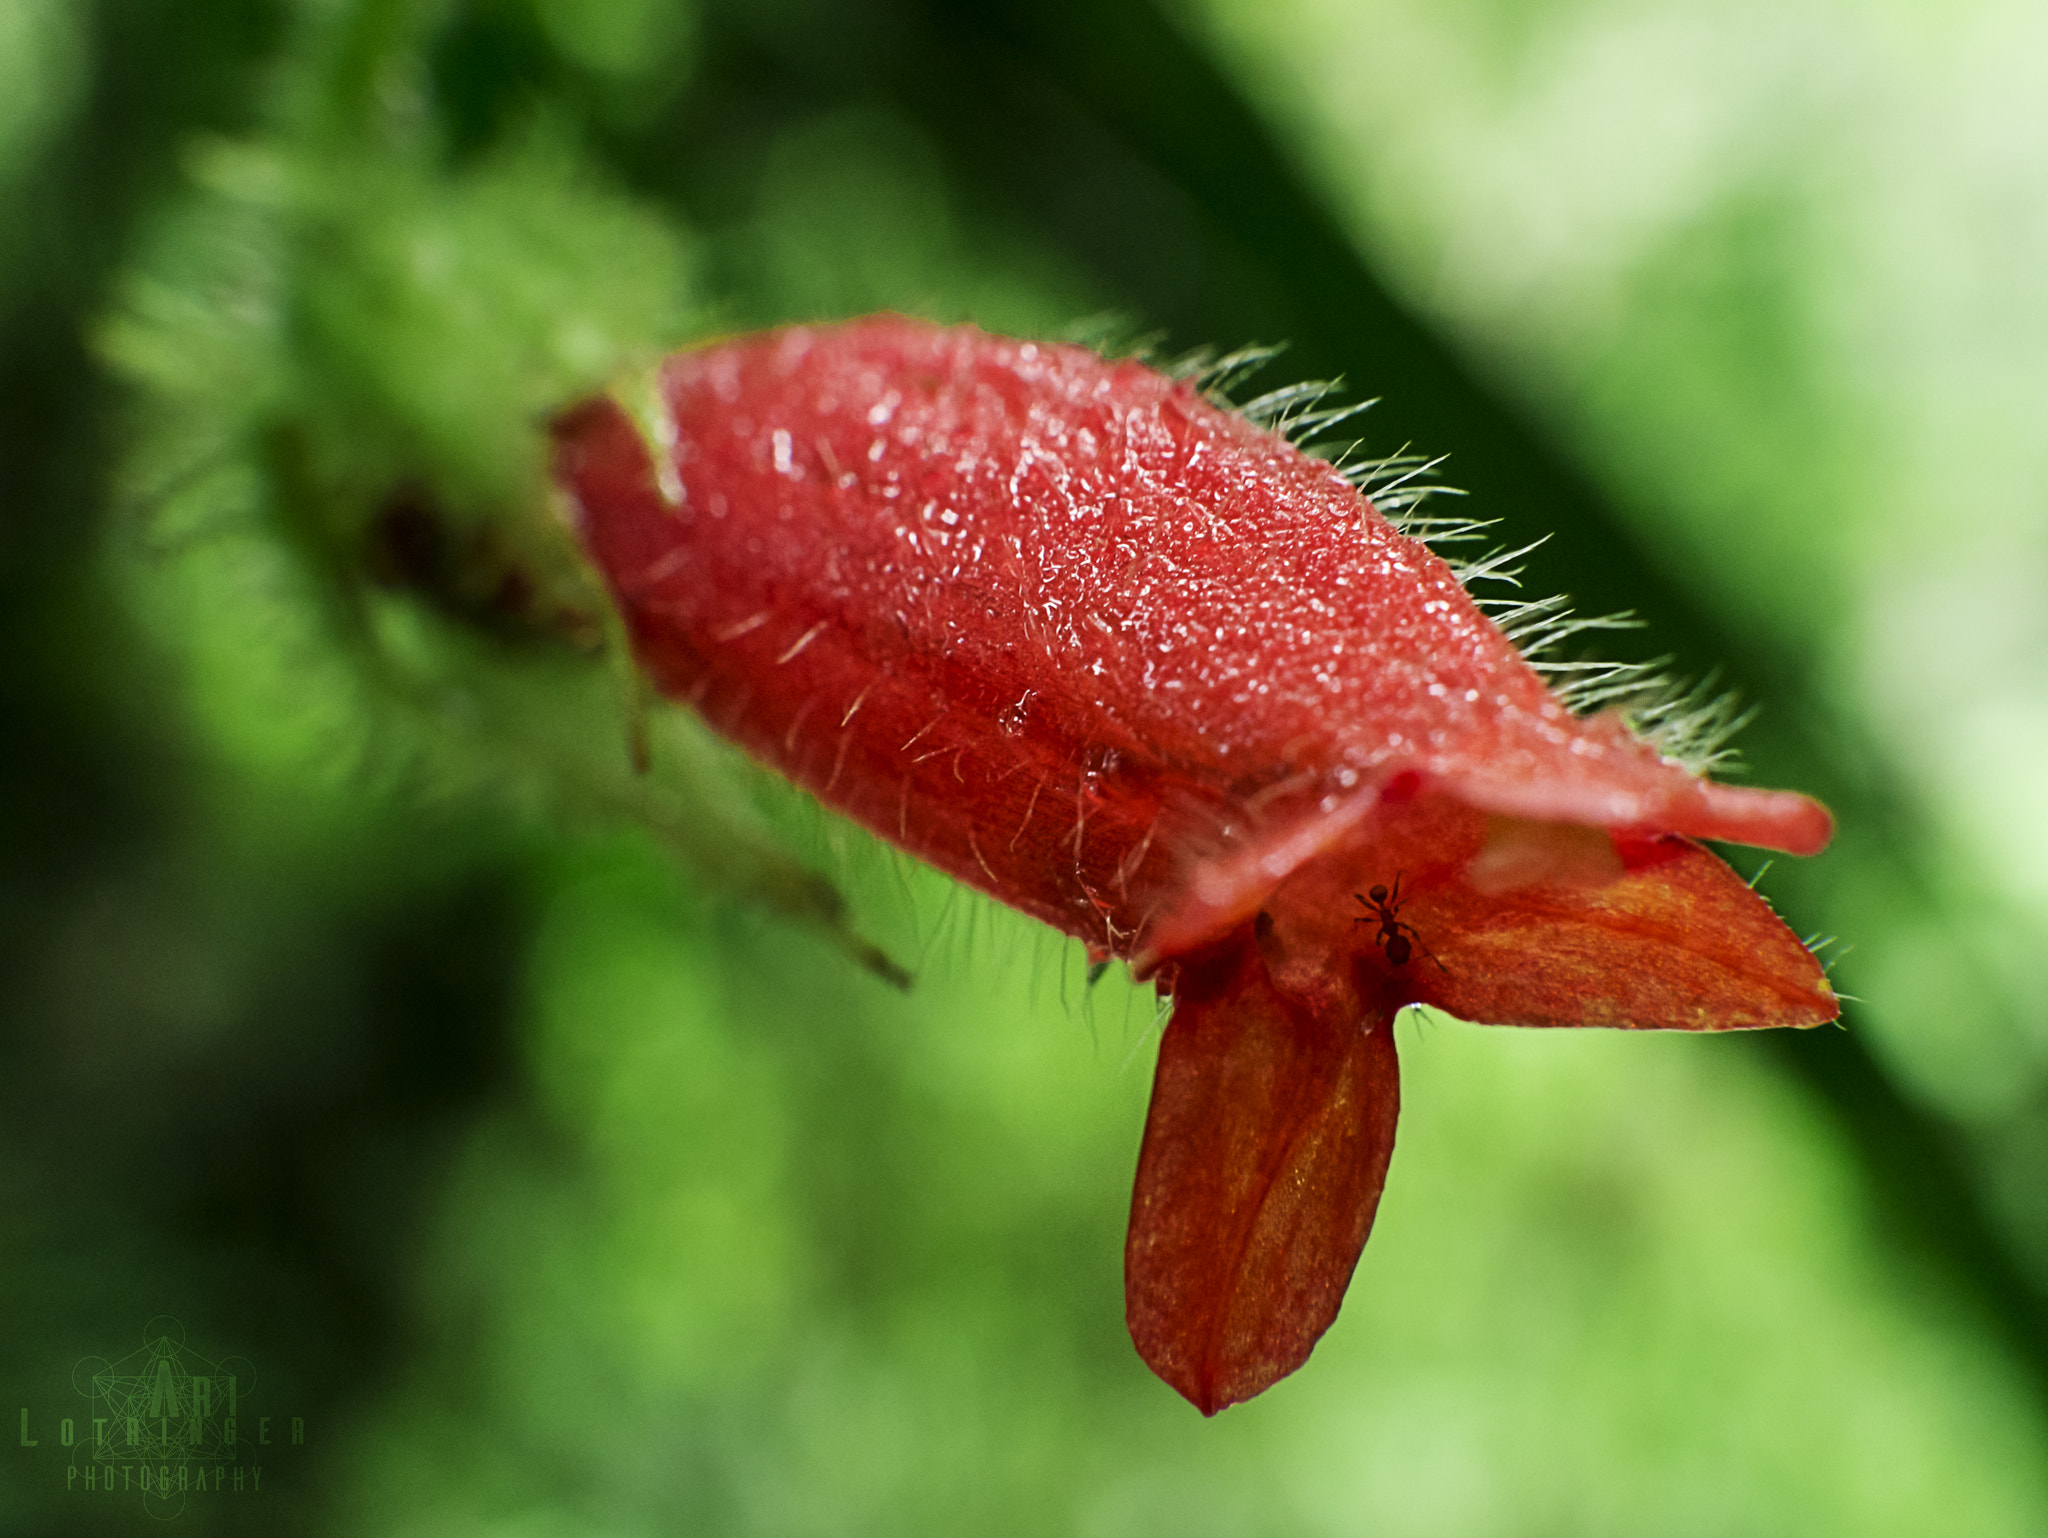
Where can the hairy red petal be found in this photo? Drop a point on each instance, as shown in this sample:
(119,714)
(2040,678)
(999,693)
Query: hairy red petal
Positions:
(1069,630)
(1266,1146)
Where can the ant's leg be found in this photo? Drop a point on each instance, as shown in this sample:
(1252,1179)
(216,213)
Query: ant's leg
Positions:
(1417,938)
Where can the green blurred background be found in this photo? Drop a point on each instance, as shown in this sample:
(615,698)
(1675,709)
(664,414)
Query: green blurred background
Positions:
(529,1133)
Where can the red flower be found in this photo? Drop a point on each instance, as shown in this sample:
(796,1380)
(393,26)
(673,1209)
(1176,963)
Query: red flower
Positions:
(1128,662)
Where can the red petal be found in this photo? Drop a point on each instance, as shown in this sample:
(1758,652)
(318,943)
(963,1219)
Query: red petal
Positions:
(1267,1143)
(1678,942)
(1527,923)
(1516,923)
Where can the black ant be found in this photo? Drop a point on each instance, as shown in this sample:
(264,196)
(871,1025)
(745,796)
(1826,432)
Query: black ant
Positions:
(1394,935)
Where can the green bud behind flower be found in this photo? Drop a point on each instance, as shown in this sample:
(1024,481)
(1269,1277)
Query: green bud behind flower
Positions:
(344,342)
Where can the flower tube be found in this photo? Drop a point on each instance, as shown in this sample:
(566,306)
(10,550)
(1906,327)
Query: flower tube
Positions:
(1124,659)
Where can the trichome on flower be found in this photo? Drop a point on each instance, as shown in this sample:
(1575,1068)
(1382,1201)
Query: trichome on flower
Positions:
(1083,637)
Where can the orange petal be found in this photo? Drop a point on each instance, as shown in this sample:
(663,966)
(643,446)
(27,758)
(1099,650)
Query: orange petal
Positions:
(1266,1146)
(1678,942)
